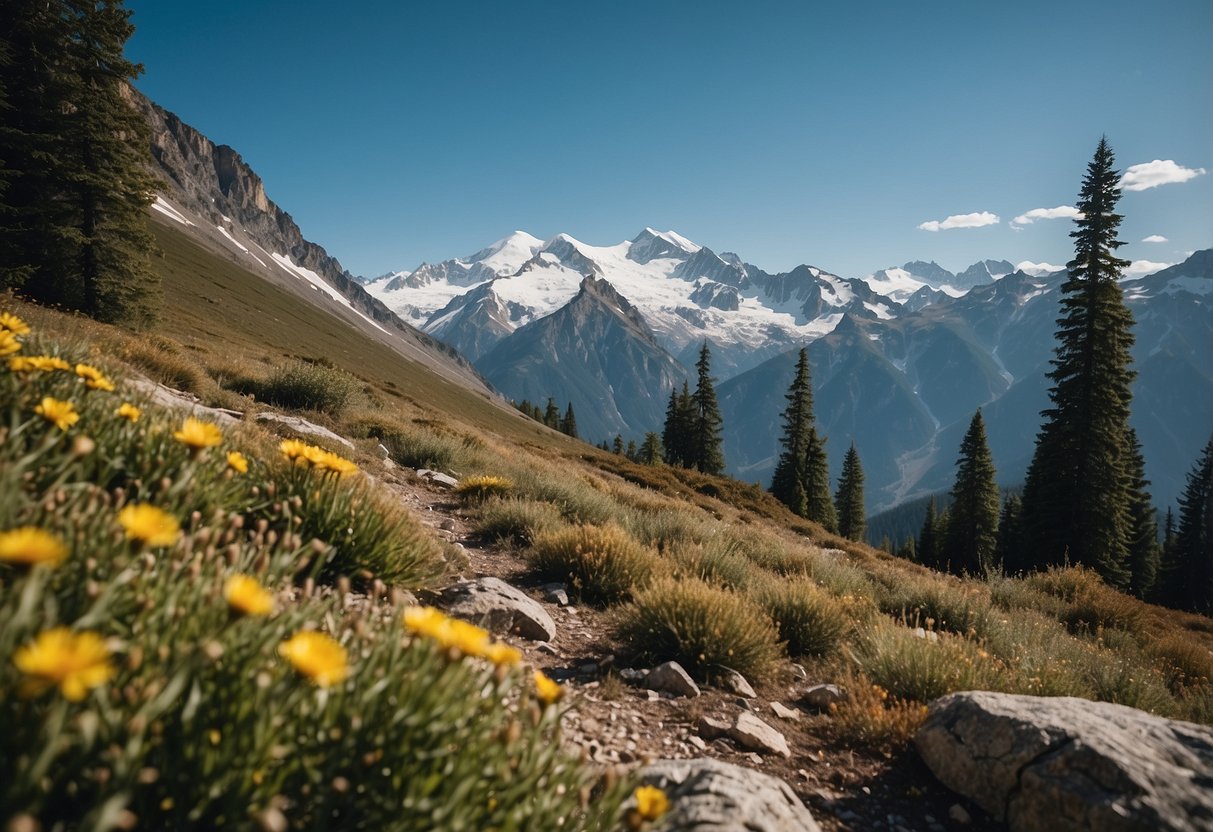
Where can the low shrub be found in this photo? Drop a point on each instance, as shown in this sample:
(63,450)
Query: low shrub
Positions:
(162,360)
(810,620)
(912,667)
(307,386)
(702,627)
(716,563)
(940,604)
(517,521)
(480,488)
(1183,660)
(870,716)
(603,564)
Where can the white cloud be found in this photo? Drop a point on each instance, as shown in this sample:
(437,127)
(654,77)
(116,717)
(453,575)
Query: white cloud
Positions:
(961,221)
(1140,268)
(1036,269)
(1155,238)
(1159,172)
(1066,212)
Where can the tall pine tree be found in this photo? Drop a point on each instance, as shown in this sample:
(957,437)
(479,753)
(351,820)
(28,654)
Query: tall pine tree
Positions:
(1008,531)
(973,528)
(929,544)
(789,483)
(817,486)
(1076,497)
(849,500)
(679,424)
(551,414)
(706,442)
(1188,573)
(80,157)
(568,424)
(650,450)
(1144,551)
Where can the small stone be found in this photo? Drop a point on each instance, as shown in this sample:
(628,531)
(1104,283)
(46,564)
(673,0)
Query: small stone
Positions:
(697,742)
(633,676)
(711,728)
(784,712)
(733,681)
(437,477)
(548,649)
(447,525)
(960,815)
(383,451)
(799,672)
(672,678)
(822,696)
(555,594)
(500,607)
(652,695)
(751,732)
(756,759)
(744,704)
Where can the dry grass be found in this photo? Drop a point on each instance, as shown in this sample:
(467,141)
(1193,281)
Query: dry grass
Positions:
(602,564)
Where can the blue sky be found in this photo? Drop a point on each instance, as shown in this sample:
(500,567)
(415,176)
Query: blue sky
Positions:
(795,132)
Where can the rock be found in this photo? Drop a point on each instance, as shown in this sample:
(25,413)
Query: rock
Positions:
(784,712)
(437,477)
(752,733)
(698,742)
(712,795)
(672,678)
(960,815)
(733,681)
(383,451)
(186,402)
(555,594)
(743,703)
(304,427)
(822,696)
(633,676)
(798,671)
(1070,764)
(499,607)
(710,728)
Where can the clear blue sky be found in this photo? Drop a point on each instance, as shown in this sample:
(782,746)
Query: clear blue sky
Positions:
(793,132)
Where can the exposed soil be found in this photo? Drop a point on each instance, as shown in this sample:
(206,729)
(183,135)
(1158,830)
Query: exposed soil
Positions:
(845,786)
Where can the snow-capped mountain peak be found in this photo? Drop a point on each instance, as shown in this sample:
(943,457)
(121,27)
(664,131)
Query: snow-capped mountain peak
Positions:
(507,254)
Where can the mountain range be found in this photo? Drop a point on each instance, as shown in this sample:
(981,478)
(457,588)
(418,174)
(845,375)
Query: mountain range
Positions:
(901,358)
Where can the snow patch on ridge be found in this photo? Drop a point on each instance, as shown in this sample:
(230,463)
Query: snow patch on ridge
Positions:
(288,265)
(166,208)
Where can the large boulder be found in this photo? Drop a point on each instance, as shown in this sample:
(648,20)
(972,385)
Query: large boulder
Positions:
(1071,764)
(713,796)
(496,605)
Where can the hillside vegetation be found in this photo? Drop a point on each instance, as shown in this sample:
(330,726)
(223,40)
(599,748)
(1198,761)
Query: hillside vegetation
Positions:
(247,657)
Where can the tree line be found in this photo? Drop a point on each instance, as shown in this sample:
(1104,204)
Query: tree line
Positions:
(75,162)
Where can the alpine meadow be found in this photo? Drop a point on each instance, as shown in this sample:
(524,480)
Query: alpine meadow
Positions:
(631,535)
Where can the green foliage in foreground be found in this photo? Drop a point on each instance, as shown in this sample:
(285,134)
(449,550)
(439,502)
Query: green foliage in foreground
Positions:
(185,711)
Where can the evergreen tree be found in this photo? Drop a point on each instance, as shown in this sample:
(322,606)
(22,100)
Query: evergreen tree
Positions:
(849,500)
(908,550)
(678,426)
(791,478)
(929,544)
(630,453)
(551,414)
(1075,499)
(973,528)
(568,424)
(1189,573)
(706,442)
(617,445)
(80,156)
(1008,531)
(1144,551)
(817,487)
(1168,533)
(650,449)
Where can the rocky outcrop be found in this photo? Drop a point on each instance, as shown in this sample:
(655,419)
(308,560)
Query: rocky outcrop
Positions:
(1071,764)
(496,605)
(711,796)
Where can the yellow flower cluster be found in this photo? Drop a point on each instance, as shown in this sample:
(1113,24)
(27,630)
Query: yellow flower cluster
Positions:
(94,379)
(29,545)
(317,656)
(38,363)
(59,413)
(548,691)
(651,802)
(149,524)
(129,412)
(317,458)
(12,324)
(452,633)
(247,597)
(198,435)
(237,462)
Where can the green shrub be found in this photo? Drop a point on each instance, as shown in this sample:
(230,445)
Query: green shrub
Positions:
(716,563)
(922,669)
(600,563)
(940,604)
(702,627)
(810,620)
(517,521)
(577,500)
(480,488)
(1185,661)
(307,386)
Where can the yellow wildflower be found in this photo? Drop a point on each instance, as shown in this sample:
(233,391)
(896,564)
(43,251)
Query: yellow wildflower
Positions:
(247,597)
(651,802)
(8,343)
(75,662)
(198,435)
(41,363)
(149,524)
(425,621)
(128,411)
(317,656)
(94,379)
(31,545)
(294,449)
(59,413)
(500,653)
(448,632)
(549,692)
(326,460)
(237,462)
(10,322)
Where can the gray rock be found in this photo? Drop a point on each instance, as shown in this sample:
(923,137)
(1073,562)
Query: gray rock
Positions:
(784,712)
(733,681)
(713,796)
(186,402)
(822,696)
(752,733)
(670,677)
(960,815)
(798,671)
(494,604)
(555,594)
(710,728)
(304,427)
(1071,764)
(437,477)
(633,676)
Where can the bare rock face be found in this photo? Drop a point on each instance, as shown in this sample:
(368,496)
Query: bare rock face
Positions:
(303,426)
(1071,764)
(711,796)
(500,607)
